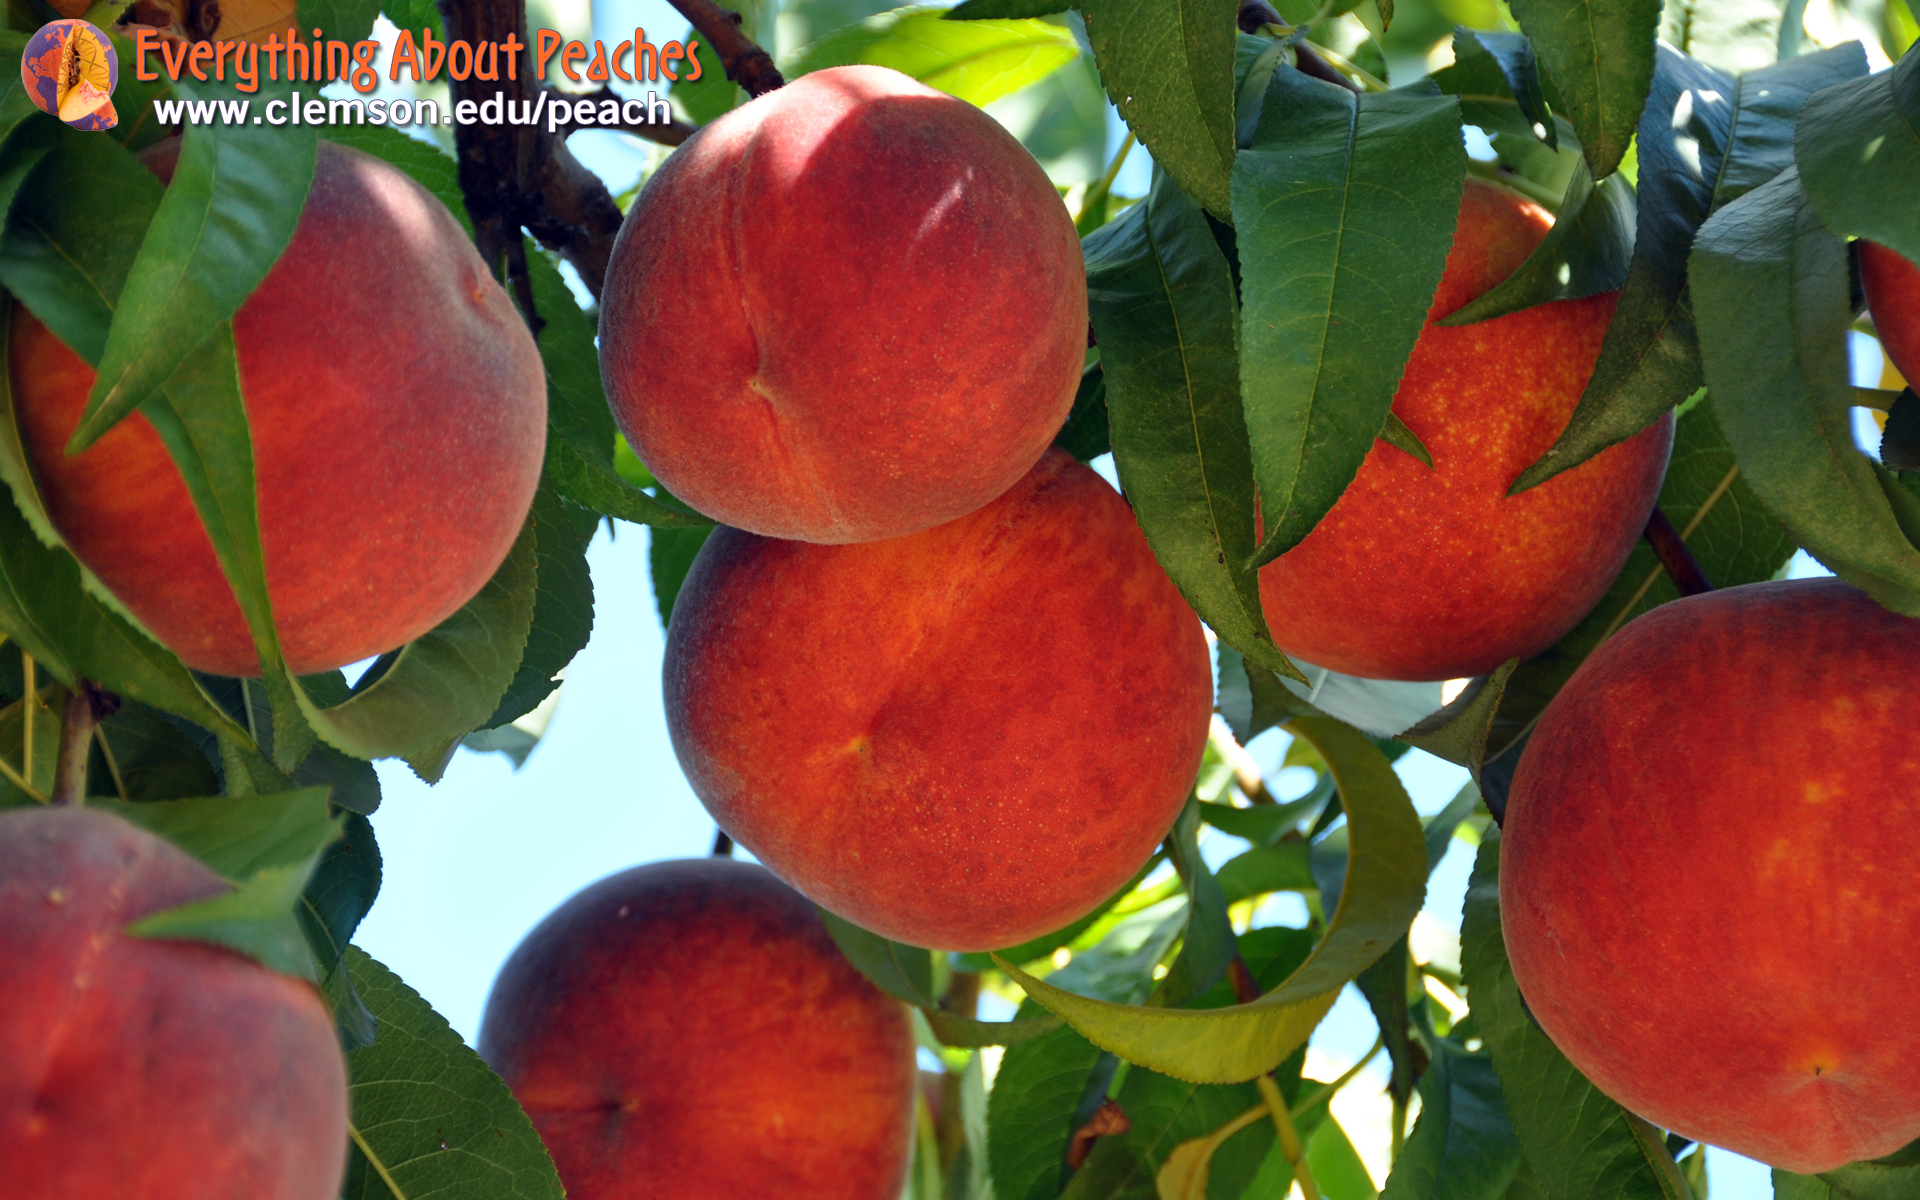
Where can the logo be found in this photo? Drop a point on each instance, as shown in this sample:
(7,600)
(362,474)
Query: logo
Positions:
(70,70)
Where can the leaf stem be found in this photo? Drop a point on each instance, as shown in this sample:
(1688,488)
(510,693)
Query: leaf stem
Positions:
(32,700)
(1289,1137)
(1397,1133)
(1327,1090)
(1103,187)
(14,777)
(113,764)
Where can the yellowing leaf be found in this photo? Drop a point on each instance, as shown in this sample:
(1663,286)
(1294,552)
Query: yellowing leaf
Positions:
(1385,886)
(1183,1176)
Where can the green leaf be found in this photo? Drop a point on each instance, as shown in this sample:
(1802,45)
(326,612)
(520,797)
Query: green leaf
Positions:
(1460,731)
(1263,869)
(1894,1177)
(1479,54)
(1168,67)
(562,618)
(1858,144)
(1252,698)
(976,60)
(713,94)
(73,233)
(1580,1144)
(1088,431)
(152,757)
(1463,1147)
(670,555)
(344,20)
(256,919)
(414,16)
(1164,1113)
(239,836)
(344,886)
(1600,55)
(1705,140)
(1386,881)
(430,1119)
(1587,251)
(1031,1113)
(1394,432)
(1344,208)
(1772,290)
(1160,295)
(222,223)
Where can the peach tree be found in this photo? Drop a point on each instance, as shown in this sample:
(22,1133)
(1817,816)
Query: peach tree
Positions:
(1252,319)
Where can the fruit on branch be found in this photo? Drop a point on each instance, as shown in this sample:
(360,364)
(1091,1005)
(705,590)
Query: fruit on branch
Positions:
(688,1029)
(1421,573)
(1893,297)
(851,309)
(1705,881)
(962,738)
(166,1070)
(398,413)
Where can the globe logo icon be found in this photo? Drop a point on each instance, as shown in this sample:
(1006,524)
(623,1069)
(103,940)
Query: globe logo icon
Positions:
(70,70)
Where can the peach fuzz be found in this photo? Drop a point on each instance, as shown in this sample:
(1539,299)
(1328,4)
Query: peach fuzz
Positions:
(1892,283)
(398,413)
(688,1029)
(1706,873)
(1421,573)
(164,1070)
(963,738)
(852,309)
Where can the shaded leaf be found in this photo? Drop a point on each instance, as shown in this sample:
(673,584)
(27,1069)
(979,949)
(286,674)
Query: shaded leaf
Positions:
(906,973)
(1086,435)
(562,618)
(428,1114)
(1587,251)
(1460,731)
(670,555)
(238,836)
(1208,944)
(1344,208)
(1858,145)
(223,221)
(1773,296)
(976,10)
(1578,1142)
(1263,869)
(1385,884)
(1031,1113)
(1168,67)
(1160,296)
(1601,58)
(152,757)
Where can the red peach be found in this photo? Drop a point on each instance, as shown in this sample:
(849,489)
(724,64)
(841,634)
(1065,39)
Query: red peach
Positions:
(1892,282)
(1706,877)
(164,1070)
(962,738)
(398,413)
(852,309)
(688,1029)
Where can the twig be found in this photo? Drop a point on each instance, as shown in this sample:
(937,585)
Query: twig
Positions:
(1671,549)
(746,64)
(87,706)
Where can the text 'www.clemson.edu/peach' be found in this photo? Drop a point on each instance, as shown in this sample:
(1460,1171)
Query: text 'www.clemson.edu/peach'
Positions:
(556,111)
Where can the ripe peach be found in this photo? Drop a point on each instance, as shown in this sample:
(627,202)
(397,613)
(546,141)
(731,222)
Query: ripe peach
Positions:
(1706,880)
(1893,296)
(852,309)
(962,738)
(688,1029)
(398,412)
(166,1070)
(1421,573)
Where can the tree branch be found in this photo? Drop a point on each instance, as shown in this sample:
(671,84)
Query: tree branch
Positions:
(87,706)
(746,64)
(1674,555)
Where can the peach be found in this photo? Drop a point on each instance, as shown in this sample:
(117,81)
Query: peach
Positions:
(1421,573)
(962,738)
(398,413)
(1892,281)
(688,1029)
(164,1070)
(1706,878)
(849,310)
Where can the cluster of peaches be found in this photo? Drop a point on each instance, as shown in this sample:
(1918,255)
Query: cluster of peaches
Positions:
(930,673)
